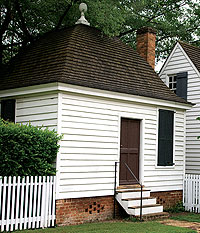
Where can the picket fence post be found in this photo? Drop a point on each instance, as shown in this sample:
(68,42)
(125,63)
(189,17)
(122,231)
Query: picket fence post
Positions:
(191,193)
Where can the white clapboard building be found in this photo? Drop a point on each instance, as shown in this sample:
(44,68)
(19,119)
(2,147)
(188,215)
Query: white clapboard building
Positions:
(110,106)
(181,73)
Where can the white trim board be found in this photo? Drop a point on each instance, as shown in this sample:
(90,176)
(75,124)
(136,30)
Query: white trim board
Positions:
(59,122)
(121,96)
(168,59)
(30,90)
(53,87)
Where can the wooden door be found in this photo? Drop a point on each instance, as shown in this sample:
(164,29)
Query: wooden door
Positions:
(129,150)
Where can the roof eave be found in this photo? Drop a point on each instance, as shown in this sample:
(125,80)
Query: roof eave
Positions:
(59,86)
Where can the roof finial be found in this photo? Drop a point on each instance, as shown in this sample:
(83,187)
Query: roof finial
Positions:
(83,9)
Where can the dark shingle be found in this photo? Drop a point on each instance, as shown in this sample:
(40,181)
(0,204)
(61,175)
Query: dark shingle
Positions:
(82,55)
(193,53)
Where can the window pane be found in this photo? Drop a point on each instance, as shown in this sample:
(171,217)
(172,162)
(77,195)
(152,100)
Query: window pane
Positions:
(172,83)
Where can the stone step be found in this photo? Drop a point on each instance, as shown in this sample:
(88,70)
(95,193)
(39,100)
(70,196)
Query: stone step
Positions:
(129,186)
(131,190)
(138,198)
(155,216)
(136,201)
(146,209)
(133,193)
(144,206)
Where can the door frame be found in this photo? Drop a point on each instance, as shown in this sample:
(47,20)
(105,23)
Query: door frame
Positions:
(141,152)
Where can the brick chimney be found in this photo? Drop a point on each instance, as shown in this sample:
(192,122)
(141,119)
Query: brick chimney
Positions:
(146,43)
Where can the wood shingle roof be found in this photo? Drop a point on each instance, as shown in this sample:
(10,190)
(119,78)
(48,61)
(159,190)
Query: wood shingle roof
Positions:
(193,53)
(81,55)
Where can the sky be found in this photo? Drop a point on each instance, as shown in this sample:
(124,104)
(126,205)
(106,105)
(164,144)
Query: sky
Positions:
(159,65)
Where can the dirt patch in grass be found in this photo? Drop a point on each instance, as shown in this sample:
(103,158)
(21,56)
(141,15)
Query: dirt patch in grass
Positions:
(177,223)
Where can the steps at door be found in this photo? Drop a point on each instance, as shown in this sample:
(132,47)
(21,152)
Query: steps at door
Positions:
(130,199)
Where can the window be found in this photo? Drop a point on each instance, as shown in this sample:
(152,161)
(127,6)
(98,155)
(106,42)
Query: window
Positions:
(172,83)
(8,110)
(165,138)
(178,84)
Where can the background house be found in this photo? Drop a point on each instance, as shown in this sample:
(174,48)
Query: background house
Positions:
(181,74)
(110,106)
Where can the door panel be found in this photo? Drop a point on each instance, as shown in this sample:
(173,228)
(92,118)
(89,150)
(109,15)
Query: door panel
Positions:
(129,150)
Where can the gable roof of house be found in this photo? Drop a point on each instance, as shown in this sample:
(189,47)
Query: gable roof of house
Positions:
(193,53)
(83,56)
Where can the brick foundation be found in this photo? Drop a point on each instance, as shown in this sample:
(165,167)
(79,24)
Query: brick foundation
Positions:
(168,198)
(81,210)
(91,209)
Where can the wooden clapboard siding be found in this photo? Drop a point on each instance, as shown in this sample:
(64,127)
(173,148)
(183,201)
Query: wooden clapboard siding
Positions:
(90,146)
(40,110)
(91,134)
(179,62)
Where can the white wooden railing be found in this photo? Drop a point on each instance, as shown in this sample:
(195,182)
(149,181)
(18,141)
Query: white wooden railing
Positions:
(27,202)
(191,193)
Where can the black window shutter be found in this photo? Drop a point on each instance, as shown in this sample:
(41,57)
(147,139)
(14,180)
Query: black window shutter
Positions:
(165,138)
(181,85)
(8,110)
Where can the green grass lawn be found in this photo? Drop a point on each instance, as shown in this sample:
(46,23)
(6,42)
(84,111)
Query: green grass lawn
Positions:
(116,227)
(186,216)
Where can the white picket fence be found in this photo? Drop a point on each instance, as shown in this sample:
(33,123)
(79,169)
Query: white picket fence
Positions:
(27,202)
(191,193)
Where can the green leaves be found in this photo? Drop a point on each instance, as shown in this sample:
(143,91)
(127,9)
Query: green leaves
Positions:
(173,19)
(26,150)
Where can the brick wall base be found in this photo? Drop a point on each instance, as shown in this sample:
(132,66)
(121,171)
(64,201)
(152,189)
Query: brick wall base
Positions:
(91,209)
(168,198)
(81,210)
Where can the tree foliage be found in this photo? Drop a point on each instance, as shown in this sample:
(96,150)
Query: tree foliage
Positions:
(26,150)
(23,21)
